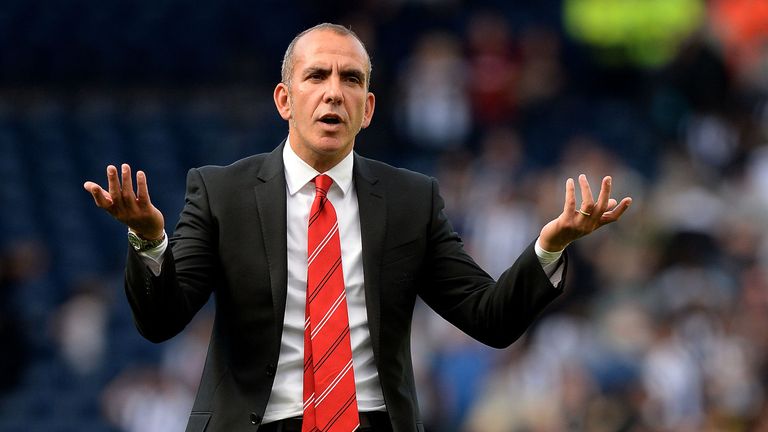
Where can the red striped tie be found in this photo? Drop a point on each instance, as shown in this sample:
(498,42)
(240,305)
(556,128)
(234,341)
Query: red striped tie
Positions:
(330,404)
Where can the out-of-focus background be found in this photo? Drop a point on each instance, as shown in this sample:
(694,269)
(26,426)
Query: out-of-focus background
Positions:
(664,324)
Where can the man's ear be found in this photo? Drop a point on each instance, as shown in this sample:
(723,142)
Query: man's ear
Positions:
(282,101)
(370,104)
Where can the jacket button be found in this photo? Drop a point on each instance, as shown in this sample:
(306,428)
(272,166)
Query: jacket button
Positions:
(255,419)
(271,369)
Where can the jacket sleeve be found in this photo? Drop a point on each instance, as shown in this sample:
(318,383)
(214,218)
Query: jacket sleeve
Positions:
(493,312)
(163,305)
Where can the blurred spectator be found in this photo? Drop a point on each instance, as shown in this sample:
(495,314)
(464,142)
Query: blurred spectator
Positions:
(692,276)
(541,75)
(711,142)
(79,327)
(740,27)
(678,189)
(435,109)
(147,400)
(674,385)
(756,181)
(493,69)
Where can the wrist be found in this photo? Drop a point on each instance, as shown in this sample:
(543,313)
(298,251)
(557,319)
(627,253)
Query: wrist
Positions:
(549,244)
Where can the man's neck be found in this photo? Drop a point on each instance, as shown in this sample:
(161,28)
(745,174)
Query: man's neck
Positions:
(321,162)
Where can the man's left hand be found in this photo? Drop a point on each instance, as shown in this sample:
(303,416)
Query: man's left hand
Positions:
(575,222)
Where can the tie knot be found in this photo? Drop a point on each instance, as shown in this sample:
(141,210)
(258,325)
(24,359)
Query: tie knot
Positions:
(323,182)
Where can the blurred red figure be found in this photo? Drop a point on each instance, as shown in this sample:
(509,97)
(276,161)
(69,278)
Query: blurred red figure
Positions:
(742,27)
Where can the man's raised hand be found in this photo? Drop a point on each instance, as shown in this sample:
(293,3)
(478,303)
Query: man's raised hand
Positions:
(575,222)
(132,209)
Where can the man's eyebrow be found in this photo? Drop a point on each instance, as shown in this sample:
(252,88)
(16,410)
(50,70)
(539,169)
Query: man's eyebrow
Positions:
(316,69)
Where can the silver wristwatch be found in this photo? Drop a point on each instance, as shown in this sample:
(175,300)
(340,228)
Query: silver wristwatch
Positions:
(142,244)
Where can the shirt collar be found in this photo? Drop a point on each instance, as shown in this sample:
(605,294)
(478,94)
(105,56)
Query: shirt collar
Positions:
(298,173)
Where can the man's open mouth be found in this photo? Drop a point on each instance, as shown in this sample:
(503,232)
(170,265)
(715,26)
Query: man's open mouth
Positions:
(330,119)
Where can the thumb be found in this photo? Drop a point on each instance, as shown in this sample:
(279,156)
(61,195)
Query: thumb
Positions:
(100,196)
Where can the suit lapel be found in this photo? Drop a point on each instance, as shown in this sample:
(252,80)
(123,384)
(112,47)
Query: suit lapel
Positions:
(372,205)
(271,205)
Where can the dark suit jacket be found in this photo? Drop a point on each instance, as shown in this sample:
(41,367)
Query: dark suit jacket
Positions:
(231,240)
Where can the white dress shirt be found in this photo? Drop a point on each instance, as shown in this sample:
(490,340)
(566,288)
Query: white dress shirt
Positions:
(286,398)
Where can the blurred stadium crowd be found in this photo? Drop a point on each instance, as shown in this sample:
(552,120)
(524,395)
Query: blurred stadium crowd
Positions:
(664,323)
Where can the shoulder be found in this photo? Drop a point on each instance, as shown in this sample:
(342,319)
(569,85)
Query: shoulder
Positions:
(244,171)
(393,177)
(239,166)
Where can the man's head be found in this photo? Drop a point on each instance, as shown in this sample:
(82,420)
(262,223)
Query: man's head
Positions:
(324,94)
(287,67)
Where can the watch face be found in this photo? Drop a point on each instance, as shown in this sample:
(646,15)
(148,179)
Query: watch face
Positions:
(134,241)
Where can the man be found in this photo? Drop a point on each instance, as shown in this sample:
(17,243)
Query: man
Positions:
(270,231)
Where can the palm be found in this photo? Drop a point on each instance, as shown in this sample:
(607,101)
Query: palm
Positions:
(135,210)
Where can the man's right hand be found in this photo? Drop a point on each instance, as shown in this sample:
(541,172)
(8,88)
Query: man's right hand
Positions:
(133,209)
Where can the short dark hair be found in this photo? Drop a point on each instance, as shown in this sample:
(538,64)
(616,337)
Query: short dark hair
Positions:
(287,67)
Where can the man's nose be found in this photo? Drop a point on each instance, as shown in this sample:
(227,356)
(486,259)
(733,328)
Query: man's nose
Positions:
(333,93)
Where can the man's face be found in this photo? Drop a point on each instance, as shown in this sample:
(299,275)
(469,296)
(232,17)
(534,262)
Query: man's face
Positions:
(328,100)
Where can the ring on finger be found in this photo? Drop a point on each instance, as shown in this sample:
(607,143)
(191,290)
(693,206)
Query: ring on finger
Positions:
(583,212)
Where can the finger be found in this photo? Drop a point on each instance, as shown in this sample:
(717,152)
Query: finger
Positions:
(142,191)
(127,189)
(615,214)
(570,197)
(605,194)
(611,204)
(587,201)
(100,196)
(114,183)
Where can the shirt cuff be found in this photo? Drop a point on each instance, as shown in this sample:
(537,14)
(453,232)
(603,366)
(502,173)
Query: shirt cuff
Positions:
(153,258)
(546,257)
(551,263)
